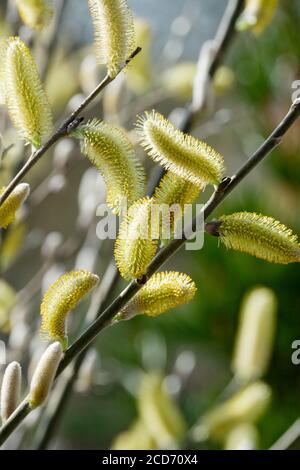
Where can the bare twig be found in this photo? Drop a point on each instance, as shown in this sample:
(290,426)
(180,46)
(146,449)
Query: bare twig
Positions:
(104,320)
(290,440)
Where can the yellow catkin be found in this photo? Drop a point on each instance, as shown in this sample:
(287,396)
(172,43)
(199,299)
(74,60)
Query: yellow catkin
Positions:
(114,33)
(135,247)
(25,97)
(163,291)
(62,297)
(110,150)
(246,406)
(36,14)
(243,437)
(44,374)
(180,153)
(257,15)
(255,335)
(10,390)
(260,236)
(12,203)
(135,438)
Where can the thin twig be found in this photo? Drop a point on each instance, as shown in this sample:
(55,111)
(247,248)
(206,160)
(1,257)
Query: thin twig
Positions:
(104,320)
(290,440)
(69,124)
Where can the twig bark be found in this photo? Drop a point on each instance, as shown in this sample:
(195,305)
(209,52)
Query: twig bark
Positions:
(104,320)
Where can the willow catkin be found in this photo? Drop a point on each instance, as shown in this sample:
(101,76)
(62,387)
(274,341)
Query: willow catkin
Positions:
(110,150)
(257,15)
(255,335)
(36,14)
(163,291)
(27,103)
(257,235)
(135,246)
(10,206)
(180,153)
(62,297)
(243,437)
(114,33)
(44,374)
(10,390)
(246,406)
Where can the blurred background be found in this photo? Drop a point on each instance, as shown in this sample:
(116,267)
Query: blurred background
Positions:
(186,353)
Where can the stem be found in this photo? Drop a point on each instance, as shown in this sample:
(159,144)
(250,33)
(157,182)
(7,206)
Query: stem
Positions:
(69,124)
(224,189)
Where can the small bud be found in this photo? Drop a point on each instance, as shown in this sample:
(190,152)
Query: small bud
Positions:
(62,297)
(114,33)
(135,247)
(36,14)
(257,15)
(246,406)
(10,390)
(10,206)
(159,413)
(163,291)
(111,151)
(179,153)
(44,375)
(255,335)
(260,236)
(27,104)
(243,437)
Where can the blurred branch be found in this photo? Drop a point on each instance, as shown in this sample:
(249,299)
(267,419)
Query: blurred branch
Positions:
(68,125)
(105,319)
(290,440)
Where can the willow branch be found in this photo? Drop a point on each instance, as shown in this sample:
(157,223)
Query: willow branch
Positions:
(290,440)
(105,319)
(68,125)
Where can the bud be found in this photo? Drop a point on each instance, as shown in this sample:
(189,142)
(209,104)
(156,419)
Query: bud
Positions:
(255,336)
(246,406)
(243,437)
(25,97)
(114,33)
(10,390)
(159,414)
(44,375)
(62,297)
(163,291)
(257,15)
(36,14)
(135,247)
(10,206)
(179,153)
(257,235)
(110,150)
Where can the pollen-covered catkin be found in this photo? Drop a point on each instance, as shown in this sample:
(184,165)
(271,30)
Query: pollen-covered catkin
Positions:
(10,206)
(25,98)
(43,376)
(62,297)
(110,150)
(10,390)
(257,235)
(136,246)
(180,153)
(163,291)
(114,33)
(36,14)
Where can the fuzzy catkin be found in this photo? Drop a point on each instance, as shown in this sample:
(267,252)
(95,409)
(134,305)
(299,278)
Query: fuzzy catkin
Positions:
(44,374)
(260,236)
(180,153)
(10,206)
(10,390)
(163,291)
(114,33)
(135,246)
(25,98)
(62,297)
(36,14)
(110,150)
